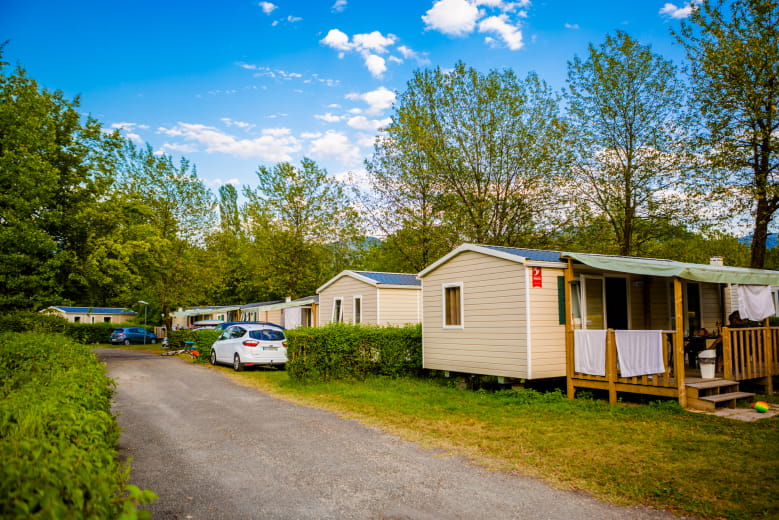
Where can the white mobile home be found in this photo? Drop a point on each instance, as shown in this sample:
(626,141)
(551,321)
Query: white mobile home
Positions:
(371,297)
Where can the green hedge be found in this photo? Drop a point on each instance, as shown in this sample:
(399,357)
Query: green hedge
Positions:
(342,351)
(57,435)
(203,340)
(86,333)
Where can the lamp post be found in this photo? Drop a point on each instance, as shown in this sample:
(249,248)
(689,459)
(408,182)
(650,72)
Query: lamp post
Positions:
(145,309)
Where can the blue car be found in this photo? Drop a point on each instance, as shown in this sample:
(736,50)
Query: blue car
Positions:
(129,335)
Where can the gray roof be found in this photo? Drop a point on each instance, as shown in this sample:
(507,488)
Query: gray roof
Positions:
(391,278)
(530,254)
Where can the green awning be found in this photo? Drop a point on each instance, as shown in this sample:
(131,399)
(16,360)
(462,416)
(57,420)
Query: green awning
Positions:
(671,268)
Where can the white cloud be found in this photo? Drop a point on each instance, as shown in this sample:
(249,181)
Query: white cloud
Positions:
(363,123)
(267,7)
(328,118)
(335,145)
(128,130)
(338,40)
(178,148)
(510,34)
(452,17)
(339,6)
(293,19)
(572,26)
(378,100)
(276,144)
(376,65)
(374,41)
(239,124)
(678,13)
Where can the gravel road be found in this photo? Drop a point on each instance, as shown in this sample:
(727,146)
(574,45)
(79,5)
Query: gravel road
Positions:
(212,449)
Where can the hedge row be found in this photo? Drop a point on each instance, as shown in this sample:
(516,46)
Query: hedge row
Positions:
(203,339)
(57,435)
(86,333)
(343,351)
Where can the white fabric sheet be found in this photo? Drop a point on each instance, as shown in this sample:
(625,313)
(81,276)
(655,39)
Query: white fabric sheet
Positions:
(755,302)
(589,352)
(639,352)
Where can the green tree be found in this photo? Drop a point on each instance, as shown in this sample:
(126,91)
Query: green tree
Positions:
(304,226)
(627,123)
(470,156)
(50,176)
(733,53)
(178,212)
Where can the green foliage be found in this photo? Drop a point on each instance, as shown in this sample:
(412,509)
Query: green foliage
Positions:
(733,53)
(343,351)
(203,339)
(91,333)
(467,156)
(628,135)
(50,175)
(29,321)
(57,435)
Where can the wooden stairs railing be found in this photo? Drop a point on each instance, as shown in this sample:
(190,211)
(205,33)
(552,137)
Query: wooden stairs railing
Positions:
(710,395)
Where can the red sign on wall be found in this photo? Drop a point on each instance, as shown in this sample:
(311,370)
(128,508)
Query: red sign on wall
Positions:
(537,277)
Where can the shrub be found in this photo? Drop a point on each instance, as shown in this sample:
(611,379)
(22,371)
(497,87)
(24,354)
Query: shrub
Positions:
(342,351)
(29,321)
(203,339)
(91,333)
(57,435)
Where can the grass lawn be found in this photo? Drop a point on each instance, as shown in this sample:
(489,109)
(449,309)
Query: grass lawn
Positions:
(656,455)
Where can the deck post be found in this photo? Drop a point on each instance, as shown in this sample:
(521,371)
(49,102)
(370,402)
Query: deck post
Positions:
(679,343)
(727,354)
(768,358)
(569,332)
(611,365)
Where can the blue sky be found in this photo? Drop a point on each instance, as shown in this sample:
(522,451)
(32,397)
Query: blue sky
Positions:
(236,84)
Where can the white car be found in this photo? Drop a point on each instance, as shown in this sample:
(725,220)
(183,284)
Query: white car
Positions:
(247,345)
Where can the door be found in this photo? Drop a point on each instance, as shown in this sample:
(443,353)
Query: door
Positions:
(617,304)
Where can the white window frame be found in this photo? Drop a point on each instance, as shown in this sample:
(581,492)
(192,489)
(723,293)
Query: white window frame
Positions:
(444,287)
(355,299)
(340,307)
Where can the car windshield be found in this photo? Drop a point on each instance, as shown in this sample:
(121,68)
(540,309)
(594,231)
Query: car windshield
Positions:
(267,335)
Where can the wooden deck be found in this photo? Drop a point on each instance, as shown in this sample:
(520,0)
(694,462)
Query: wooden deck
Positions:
(748,354)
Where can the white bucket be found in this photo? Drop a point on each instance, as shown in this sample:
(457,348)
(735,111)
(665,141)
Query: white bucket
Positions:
(707,360)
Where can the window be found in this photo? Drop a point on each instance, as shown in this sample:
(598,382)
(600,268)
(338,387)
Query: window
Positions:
(358,309)
(452,305)
(76,319)
(338,312)
(106,319)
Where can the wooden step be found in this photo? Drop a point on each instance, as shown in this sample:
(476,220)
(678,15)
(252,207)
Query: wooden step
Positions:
(712,402)
(714,383)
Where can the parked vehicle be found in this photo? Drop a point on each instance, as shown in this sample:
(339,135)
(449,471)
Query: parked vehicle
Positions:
(129,335)
(223,326)
(250,344)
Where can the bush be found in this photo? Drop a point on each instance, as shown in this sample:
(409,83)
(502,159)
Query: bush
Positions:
(203,339)
(57,435)
(91,333)
(29,321)
(342,351)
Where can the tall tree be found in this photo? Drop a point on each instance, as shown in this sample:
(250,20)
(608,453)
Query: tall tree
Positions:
(50,177)
(474,155)
(733,53)
(179,211)
(304,224)
(625,107)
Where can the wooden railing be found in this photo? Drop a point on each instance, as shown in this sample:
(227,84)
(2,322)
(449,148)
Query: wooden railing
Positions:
(750,353)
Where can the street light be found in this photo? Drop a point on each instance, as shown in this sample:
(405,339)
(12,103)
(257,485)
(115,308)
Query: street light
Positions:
(145,309)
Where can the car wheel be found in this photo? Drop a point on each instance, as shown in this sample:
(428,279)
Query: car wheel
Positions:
(237,366)
(153,341)
(213,357)
(127,342)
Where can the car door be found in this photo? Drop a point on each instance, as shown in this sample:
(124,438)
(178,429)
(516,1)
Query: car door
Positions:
(220,347)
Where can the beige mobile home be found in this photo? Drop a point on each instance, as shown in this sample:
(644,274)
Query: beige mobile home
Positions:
(495,311)
(371,297)
(92,314)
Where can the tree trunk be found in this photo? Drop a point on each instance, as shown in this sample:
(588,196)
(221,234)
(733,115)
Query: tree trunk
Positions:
(760,233)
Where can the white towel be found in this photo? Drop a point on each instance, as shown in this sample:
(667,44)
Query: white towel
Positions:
(589,352)
(755,302)
(639,352)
